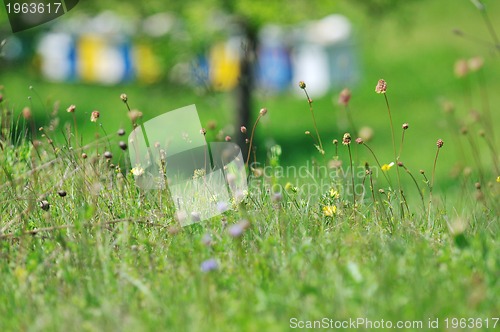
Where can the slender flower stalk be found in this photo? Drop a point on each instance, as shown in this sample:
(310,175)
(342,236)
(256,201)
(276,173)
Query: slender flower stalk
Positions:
(400,164)
(302,85)
(346,140)
(262,112)
(439,145)
(381,88)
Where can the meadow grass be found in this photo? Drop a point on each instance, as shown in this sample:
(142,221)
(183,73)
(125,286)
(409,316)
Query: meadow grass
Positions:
(83,249)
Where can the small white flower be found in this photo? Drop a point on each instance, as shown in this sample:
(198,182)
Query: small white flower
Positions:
(137,171)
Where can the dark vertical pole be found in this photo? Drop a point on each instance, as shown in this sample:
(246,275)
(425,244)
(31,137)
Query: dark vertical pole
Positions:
(246,83)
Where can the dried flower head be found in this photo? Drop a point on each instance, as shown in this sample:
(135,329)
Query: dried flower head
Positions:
(134,115)
(44,205)
(461,68)
(381,86)
(71,109)
(263,111)
(27,113)
(346,140)
(405,126)
(344,97)
(475,63)
(124,97)
(302,85)
(439,143)
(94,116)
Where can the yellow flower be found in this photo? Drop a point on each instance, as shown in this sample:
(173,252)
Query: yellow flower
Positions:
(334,194)
(386,167)
(498,179)
(329,210)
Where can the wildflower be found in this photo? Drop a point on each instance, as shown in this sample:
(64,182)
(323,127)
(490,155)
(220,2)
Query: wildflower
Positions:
(137,171)
(207,240)
(71,109)
(335,141)
(120,132)
(94,116)
(386,167)
(243,129)
(222,206)
(461,68)
(228,138)
(381,86)
(108,155)
(61,193)
(124,97)
(344,97)
(203,131)
(346,140)
(302,85)
(439,143)
(134,115)
(366,133)
(209,265)
(498,179)
(123,145)
(307,132)
(27,113)
(334,194)
(239,228)
(405,126)
(84,155)
(329,210)
(359,140)
(277,197)
(475,63)
(289,185)
(263,111)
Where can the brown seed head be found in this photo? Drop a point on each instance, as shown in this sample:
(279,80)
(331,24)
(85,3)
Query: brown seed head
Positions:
(134,115)
(44,205)
(346,140)
(475,63)
(302,85)
(344,97)
(461,68)
(61,193)
(381,86)
(439,143)
(84,155)
(94,116)
(477,185)
(27,113)
(71,109)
